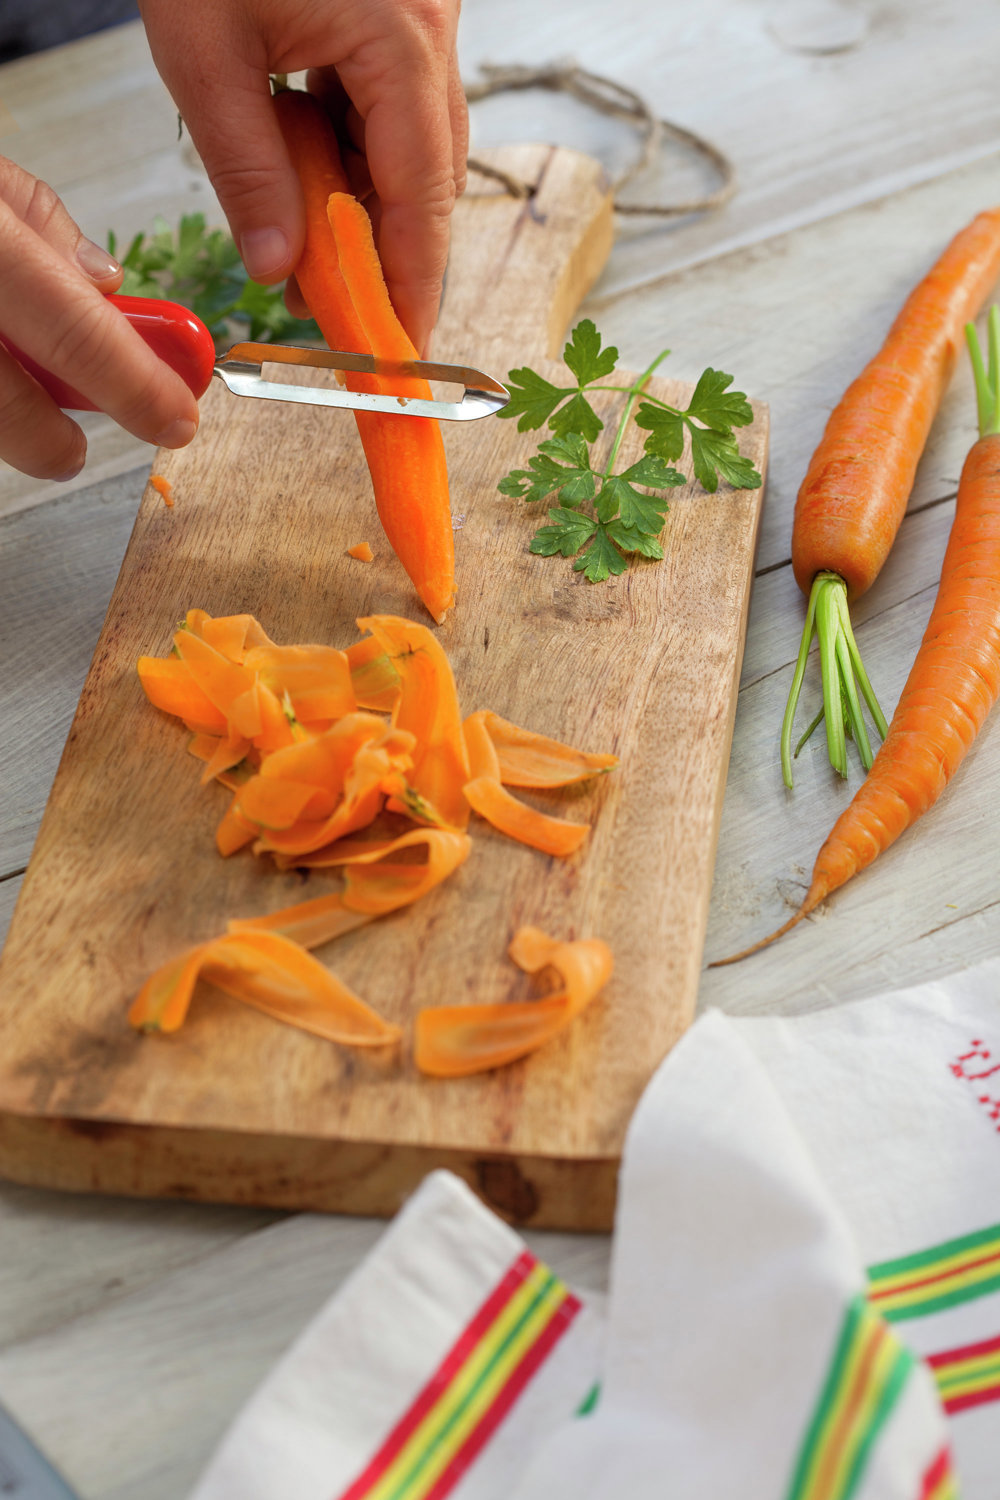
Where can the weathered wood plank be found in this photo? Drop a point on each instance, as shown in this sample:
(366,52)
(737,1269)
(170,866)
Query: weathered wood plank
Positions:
(868,120)
(57,568)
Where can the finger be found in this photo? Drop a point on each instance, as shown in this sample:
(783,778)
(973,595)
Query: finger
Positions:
(294,300)
(35,436)
(43,211)
(223,94)
(409,148)
(458,110)
(66,326)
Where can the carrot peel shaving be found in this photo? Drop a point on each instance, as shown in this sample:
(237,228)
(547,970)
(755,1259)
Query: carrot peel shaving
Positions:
(452,1041)
(552,835)
(270,972)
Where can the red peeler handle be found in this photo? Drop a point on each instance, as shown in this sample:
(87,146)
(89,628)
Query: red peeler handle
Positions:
(173,332)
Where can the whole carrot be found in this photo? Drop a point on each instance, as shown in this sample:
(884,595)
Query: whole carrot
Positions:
(341,280)
(955,679)
(855,491)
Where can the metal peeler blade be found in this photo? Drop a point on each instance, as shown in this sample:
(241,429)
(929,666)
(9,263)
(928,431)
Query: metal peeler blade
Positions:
(241,369)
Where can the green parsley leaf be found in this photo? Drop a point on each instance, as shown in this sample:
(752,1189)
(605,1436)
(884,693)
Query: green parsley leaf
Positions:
(711,404)
(601,559)
(655,473)
(604,518)
(577,415)
(574,480)
(585,357)
(666,431)
(569,531)
(631,540)
(715,456)
(532,399)
(639,510)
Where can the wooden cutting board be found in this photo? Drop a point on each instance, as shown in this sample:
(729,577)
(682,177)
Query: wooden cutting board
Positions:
(236,1107)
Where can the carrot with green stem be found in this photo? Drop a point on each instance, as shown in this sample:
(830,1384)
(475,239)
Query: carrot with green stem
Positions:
(856,489)
(955,679)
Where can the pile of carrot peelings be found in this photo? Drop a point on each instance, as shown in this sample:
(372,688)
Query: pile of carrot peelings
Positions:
(314,745)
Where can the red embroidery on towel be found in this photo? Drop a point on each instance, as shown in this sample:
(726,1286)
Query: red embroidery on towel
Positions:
(962,1068)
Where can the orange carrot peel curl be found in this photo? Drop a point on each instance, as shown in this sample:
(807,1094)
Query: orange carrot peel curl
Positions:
(299,737)
(854,495)
(342,282)
(263,960)
(271,973)
(455,1040)
(955,679)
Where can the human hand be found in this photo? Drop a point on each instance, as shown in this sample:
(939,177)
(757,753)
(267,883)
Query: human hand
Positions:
(53,308)
(388,74)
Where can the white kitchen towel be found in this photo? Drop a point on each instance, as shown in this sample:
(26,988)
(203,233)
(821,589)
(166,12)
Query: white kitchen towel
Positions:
(446,1357)
(743,1355)
(805,1297)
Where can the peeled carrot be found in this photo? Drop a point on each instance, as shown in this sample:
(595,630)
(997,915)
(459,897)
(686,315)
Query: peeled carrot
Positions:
(955,679)
(855,491)
(341,280)
(361,551)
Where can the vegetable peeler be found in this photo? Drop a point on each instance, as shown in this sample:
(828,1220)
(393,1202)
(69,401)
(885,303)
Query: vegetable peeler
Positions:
(183,342)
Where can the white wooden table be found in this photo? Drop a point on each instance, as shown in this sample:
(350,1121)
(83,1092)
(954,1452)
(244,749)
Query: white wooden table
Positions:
(131,1332)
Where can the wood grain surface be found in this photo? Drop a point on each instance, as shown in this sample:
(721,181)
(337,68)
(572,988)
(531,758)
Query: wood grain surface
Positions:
(124,873)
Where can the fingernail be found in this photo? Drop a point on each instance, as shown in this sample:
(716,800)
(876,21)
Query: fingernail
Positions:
(178,434)
(264,251)
(95,262)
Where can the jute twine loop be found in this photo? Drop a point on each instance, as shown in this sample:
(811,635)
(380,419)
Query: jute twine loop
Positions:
(609,98)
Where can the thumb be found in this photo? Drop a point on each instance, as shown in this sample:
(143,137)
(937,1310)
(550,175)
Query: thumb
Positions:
(225,102)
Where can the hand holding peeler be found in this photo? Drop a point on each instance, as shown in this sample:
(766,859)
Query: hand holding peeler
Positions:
(181,339)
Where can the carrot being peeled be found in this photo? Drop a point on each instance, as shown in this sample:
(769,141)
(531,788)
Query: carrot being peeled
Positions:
(855,491)
(341,280)
(954,681)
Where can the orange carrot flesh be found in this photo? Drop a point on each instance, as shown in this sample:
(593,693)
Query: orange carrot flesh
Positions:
(453,1041)
(375,681)
(532,760)
(361,552)
(301,791)
(316,679)
(373,887)
(169,685)
(163,488)
(483,757)
(266,970)
(952,685)
(518,821)
(405,454)
(428,709)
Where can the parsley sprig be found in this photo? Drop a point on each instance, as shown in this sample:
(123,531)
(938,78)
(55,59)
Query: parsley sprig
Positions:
(201,268)
(604,515)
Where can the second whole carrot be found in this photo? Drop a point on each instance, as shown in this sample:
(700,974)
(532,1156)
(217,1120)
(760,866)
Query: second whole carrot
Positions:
(954,680)
(854,495)
(341,280)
